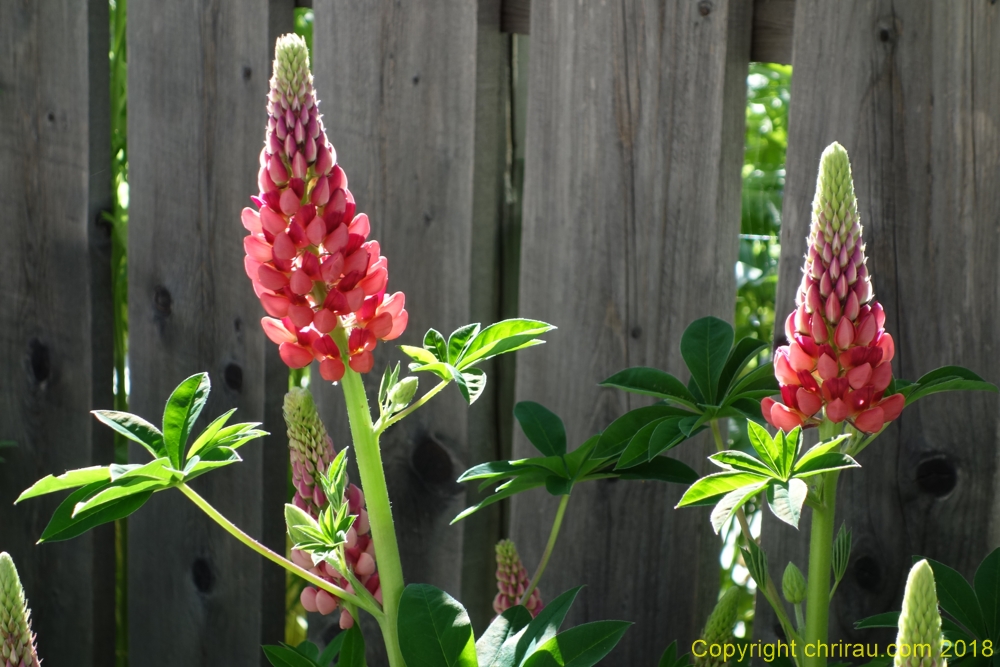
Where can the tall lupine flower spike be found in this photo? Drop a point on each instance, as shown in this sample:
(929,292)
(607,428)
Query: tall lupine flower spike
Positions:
(919,641)
(719,628)
(311,453)
(838,354)
(17,644)
(307,253)
(512,581)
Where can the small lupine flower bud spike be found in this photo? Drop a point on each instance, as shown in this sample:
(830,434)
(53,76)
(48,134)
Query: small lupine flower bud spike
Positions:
(312,451)
(306,253)
(17,644)
(919,642)
(719,628)
(836,324)
(793,584)
(512,581)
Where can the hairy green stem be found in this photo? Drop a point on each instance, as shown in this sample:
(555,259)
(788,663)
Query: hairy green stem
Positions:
(820,560)
(382,426)
(235,531)
(553,535)
(366,448)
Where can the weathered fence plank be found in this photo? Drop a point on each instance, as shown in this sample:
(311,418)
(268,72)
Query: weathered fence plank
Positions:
(45,349)
(912,91)
(771,40)
(197,87)
(398,89)
(631,216)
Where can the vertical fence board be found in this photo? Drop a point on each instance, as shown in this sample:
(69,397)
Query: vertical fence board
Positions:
(45,392)
(912,90)
(634,146)
(197,88)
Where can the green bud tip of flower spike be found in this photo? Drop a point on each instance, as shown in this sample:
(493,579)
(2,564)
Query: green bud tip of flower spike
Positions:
(17,644)
(512,581)
(291,66)
(719,628)
(793,584)
(919,642)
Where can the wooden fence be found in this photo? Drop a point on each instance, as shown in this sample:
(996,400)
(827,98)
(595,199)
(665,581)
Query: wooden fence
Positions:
(629,145)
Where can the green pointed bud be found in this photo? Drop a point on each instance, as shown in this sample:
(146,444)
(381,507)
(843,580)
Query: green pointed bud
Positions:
(401,394)
(292,77)
(919,641)
(719,628)
(793,584)
(17,644)
(310,448)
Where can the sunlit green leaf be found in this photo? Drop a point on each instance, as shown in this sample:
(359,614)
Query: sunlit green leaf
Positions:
(67,480)
(181,412)
(705,346)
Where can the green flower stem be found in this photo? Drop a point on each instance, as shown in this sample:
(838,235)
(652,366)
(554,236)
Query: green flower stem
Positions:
(820,557)
(553,535)
(380,426)
(234,530)
(365,437)
(800,620)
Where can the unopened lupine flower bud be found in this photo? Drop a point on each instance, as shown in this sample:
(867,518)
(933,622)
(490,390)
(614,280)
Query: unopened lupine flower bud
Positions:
(401,394)
(512,581)
(838,354)
(17,644)
(308,256)
(719,628)
(793,584)
(312,451)
(919,641)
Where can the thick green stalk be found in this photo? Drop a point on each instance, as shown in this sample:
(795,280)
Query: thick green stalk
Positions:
(820,558)
(553,535)
(366,448)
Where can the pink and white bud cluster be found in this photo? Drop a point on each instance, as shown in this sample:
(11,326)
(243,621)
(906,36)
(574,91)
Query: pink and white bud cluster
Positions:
(512,581)
(838,356)
(308,256)
(311,453)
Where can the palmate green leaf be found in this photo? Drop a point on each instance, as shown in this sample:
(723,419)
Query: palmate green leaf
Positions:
(712,487)
(618,434)
(671,659)
(459,341)
(581,461)
(807,461)
(987,587)
(331,650)
(671,432)
(181,412)
(758,380)
(211,431)
(889,619)
(134,428)
(947,378)
(389,377)
(756,561)
(421,356)
(786,499)
(63,526)
(67,480)
(705,346)
(435,343)
(741,355)
(503,627)
(582,646)
(740,462)
(434,629)
(826,463)
(841,554)
(285,656)
(217,457)
(637,450)
(505,336)
(765,446)
(543,428)
(118,491)
(530,479)
(661,469)
(958,598)
(733,501)
(650,382)
(542,628)
(558,486)
(475,382)
(488,470)
(352,652)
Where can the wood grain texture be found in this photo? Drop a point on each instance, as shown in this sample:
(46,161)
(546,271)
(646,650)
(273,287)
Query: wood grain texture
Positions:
(197,86)
(771,41)
(631,215)
(912,90)
(45,347)
(515,16)
(398,85)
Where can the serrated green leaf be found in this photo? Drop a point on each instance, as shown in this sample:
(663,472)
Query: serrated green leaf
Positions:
(459,341)
(543,428)
(418,354)
(505,336)
(740,462)
(733,501)
(582,646)
(63,526)
(650,382)
(958,599)
(434,629)
(661,469)
(705,346)
(134,428)
(181,412)
(435,343)
(987,587)
(618,434)
(206,437)
(67,480)
(708,489)
(503,627)
(637,450)
(741,354)
(786,499)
